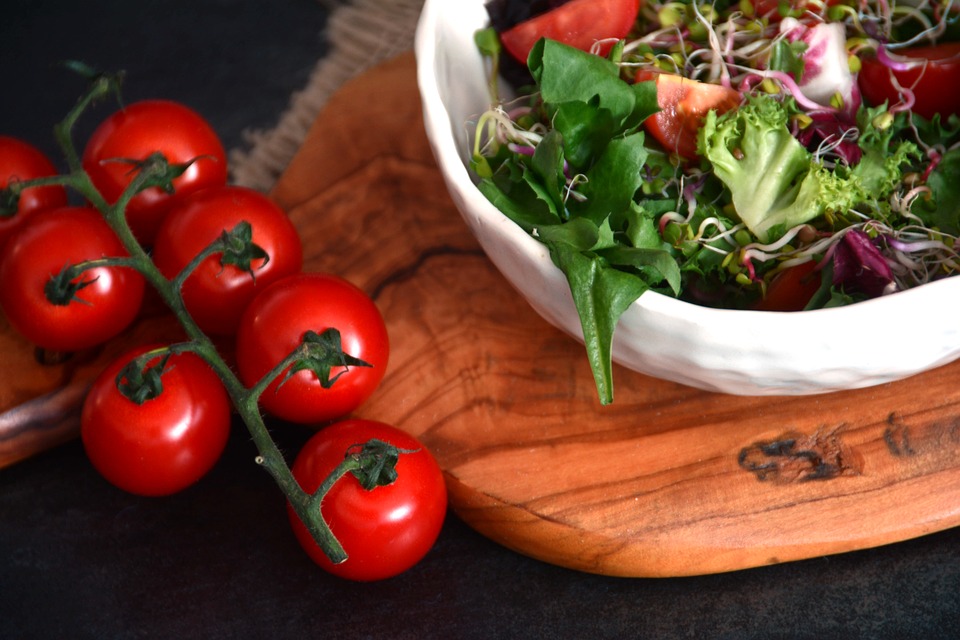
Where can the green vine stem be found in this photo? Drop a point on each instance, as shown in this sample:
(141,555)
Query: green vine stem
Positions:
(155,171)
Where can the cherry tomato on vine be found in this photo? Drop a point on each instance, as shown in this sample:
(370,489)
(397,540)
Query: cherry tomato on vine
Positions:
(578,23)
(105,305)
(138,130)
(274,324)
(385,530)
(934,83)
(21,161)
(683,105)
(216,294)
(168,442)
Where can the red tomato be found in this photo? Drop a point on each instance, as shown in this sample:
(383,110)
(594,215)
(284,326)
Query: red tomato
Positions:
(683,105)
(216,294)
(138,130)
(273,326)
(791,289)
(21,161)
(167,443)
(47,242)
(386,530)
(934,84)
(578,23)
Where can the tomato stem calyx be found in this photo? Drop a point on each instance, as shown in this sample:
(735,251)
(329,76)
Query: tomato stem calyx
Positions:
(140,382)
(239,250)
(10,200)
(61,289)
(321,353)
(236,247)
(156,171)
(376,463)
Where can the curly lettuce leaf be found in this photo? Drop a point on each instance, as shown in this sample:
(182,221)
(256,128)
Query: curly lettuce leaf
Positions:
(880,170)
(774,182)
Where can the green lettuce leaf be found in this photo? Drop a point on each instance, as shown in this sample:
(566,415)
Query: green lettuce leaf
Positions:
(774,182)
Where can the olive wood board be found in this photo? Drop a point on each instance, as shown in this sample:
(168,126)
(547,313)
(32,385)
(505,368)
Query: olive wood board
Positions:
(666,481)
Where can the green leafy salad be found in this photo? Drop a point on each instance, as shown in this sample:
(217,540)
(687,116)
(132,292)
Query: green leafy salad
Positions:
(800,194)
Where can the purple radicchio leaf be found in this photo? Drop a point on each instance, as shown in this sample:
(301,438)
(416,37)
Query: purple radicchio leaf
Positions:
(859,267)
(829,128)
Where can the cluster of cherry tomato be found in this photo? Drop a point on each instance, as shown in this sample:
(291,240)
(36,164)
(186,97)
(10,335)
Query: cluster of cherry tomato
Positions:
(158,418)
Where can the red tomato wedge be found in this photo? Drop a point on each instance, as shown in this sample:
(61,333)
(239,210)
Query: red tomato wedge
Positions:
(578,23)
(934,84)
(683,105)
(792,289)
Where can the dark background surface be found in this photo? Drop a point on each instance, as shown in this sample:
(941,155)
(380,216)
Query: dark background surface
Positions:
(80,559)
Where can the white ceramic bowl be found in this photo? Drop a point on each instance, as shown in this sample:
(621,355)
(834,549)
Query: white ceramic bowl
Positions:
(736,352)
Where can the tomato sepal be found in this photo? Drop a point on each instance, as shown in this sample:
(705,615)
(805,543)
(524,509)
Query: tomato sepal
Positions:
(62,288)
(376,463)
(321,353)
(239,249)
(140,381)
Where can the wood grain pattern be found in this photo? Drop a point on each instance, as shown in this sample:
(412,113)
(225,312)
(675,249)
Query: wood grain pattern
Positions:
(667,481)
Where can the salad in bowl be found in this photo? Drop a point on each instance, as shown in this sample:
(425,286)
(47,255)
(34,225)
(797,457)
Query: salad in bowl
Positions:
(754,197)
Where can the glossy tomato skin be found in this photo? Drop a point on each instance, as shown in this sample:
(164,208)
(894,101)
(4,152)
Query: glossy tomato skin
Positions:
(167,443)
(577,23)
(792,289)
(384,531)
(47,242)
(216,295)
(934,84)
(273,326)
(135,132)
(21,161)
(683,105)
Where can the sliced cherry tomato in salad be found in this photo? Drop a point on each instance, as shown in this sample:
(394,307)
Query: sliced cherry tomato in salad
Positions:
(216,294)
(274,324)
(133,133)
(578,23)
(21,161)
(791,289)
(385,530)
(168,442)
(683,105)
(934,82)
(47,242)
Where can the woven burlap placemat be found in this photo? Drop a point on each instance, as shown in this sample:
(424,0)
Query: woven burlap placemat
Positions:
(360,34)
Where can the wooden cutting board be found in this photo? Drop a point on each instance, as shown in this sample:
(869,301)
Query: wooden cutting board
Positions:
(667,481)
